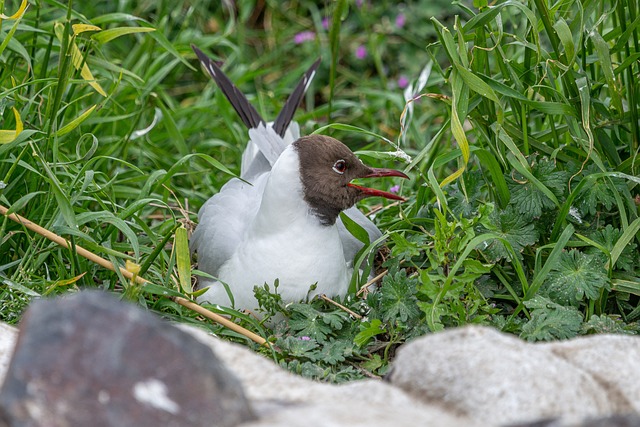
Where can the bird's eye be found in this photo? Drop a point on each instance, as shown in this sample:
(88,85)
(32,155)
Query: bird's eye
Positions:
(340,166)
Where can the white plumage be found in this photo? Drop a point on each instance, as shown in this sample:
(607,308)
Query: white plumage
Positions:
(251,234)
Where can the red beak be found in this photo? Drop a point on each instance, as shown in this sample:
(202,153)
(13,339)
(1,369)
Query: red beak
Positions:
(376,173)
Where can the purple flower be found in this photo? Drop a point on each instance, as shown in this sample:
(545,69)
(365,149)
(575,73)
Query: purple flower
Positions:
(359,3)
(403,82)
(361,52)
(305,338)
(325,23)
(394,189)
(400,20)
(304,36)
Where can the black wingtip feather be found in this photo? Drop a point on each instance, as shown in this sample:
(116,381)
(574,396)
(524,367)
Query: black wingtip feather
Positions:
(248,114)
(283,120)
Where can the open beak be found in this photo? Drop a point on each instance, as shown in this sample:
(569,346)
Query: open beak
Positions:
(377,173)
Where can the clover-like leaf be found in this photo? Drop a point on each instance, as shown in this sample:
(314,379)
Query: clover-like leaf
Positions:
(607,237)
(550,320)
(575,276)
(308,321)
(599,192)
(528,199)
(464,200)
(608,324)
(298,347)
(335,352)
(398,300)
(512,227)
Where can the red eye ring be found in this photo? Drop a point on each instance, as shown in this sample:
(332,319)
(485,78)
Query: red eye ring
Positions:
(340,166)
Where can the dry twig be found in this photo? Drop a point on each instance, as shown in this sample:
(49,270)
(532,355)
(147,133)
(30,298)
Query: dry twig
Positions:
(365,288)
(129,275)
(340,306)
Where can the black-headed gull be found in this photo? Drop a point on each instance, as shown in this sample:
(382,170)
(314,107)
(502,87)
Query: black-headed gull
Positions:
(285,224)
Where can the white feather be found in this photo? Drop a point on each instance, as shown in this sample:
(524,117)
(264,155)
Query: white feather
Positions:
(279,240)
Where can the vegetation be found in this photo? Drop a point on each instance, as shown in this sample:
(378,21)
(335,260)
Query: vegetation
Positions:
(517,121)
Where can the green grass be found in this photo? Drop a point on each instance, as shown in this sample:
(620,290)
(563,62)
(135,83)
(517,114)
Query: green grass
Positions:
(522,143)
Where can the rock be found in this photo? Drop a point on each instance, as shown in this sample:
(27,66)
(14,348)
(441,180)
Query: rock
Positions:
(626,420)
(89,359)
(496,378)
(611,360)
(619,420)
(283,399)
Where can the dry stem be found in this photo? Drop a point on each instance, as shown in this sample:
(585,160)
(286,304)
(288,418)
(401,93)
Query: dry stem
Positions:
(129,275)
(365,287)
(340,306)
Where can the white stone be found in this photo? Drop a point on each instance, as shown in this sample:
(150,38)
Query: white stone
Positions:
(611,360)
(283,399)
(496,378)
(471,376)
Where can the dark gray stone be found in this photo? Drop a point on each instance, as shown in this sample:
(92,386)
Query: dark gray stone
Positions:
(619,420)
(90,359)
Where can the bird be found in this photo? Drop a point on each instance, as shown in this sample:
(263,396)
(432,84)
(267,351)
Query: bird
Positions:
(279,221)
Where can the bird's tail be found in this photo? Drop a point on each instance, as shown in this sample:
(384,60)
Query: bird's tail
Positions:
(283,120)
(240,103)
(248,114)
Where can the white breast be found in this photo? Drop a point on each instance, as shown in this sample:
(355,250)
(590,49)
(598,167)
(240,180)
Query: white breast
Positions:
(286,242)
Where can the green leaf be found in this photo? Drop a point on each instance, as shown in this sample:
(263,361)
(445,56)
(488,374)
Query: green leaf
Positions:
(575,276)
(308,321)
(630,286)
(608,324)
(66,210)
(480,4)
(528,196)
(110,218)
(368,330)
(350,128)
(150,288)
(183,259)
(547,107)
(355,229)
(106,36)
(541,274)
(18,287)
(604,58)
(7,136)
(477,85)
(511,226)
(398,300)
(459,99)
(629,233)
(335,352)
(178,164)
(488,161)
(607,238)
(564,33)
(9,36)
(300,348)
(599,192)
(466,194)
(550,321)
(75,122)
(22,201)
(407,247)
